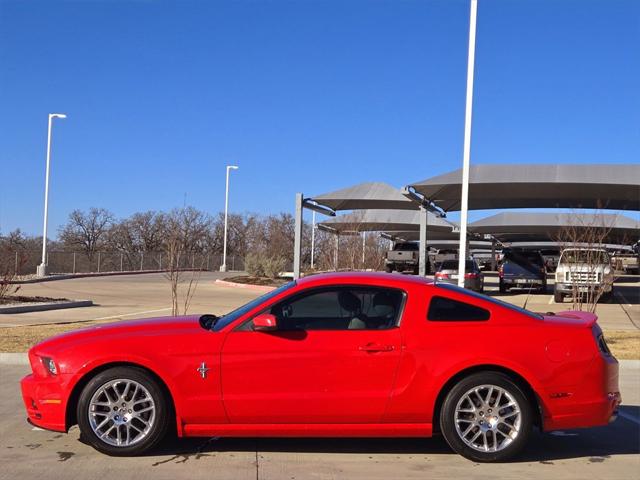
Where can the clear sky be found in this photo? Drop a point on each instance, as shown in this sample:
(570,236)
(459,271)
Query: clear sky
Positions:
(303,95)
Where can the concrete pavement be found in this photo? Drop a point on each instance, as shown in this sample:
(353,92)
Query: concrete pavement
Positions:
(611,452)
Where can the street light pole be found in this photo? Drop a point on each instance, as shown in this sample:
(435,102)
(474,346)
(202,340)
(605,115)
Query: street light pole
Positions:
(42,268)
(223,267)
(464,207)
(313,238)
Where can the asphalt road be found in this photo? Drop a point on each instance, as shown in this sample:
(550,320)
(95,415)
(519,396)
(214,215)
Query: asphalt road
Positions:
(147,295)
(611,452)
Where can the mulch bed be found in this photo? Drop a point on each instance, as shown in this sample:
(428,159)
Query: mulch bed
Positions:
(17,299)
(264,281)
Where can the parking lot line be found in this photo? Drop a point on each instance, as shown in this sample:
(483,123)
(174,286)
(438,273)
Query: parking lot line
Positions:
(129,314)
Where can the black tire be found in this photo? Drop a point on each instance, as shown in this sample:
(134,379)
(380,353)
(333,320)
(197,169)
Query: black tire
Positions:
(416,270)
(159,424)
(558,297)
(388,268)
(502,287)
(456,394)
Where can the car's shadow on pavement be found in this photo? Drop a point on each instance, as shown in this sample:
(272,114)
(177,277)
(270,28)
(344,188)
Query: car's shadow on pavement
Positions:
(597,444)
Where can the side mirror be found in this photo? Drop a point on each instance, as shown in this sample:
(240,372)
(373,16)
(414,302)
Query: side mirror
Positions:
(265,322)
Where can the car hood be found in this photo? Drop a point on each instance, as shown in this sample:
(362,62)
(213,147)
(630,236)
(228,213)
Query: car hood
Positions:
(131,328)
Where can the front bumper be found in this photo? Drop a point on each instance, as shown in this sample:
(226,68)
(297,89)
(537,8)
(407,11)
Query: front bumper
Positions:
(44,401)
(568,288)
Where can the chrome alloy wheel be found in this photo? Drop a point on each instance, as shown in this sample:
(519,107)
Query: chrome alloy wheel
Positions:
(121,412)
(488,418)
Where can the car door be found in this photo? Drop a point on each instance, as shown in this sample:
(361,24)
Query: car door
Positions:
(332,359)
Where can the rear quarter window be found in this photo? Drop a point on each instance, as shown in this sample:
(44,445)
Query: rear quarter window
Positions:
(443,309)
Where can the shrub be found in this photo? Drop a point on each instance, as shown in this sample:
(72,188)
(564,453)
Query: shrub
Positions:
(272,266)
(253,265)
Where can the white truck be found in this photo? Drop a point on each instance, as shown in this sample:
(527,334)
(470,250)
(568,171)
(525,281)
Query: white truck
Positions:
(402,257)
(583,271)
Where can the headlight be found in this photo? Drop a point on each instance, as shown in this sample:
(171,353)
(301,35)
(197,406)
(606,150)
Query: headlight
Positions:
(50,365)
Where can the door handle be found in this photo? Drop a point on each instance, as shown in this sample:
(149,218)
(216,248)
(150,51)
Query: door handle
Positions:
(376,347)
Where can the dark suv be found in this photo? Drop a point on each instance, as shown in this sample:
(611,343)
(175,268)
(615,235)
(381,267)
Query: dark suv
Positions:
(522,269)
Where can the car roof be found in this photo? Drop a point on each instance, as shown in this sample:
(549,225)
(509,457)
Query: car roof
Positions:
(365,278)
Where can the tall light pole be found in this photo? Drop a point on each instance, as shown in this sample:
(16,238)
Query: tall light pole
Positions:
(313,239)
(223,267)
(464,207)
(42,268)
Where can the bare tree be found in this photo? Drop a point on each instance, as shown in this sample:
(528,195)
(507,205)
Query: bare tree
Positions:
(10,261)
(587,235)
(185,232)
(86,231)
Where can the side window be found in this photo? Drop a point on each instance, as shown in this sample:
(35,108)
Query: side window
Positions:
(340,308)
(443,309)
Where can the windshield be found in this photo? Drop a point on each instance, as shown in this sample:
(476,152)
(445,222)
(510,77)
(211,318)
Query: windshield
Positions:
(239,312)
(523,257)
(585,256)
(486,298)
(406,247)
(453,265)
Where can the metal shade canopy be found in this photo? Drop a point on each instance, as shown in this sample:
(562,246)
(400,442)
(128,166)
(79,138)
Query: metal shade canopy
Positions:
(371,195)
(386,221)
(543,226)
(613,187)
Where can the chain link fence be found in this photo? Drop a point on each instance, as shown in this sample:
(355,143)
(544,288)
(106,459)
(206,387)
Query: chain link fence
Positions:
(26,262)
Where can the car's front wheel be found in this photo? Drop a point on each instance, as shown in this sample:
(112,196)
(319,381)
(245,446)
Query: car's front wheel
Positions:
(486,417)
(123,411)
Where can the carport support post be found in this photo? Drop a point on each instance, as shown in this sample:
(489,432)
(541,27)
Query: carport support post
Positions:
(335,253)
(466,150)
(422,261)
(493,255)
(297,242)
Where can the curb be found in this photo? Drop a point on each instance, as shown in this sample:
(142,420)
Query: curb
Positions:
(45,306)
(247,286)
(69,276)
(14,358)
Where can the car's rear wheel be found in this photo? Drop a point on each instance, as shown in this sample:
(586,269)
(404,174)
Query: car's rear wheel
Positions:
(123,411)
(486,417)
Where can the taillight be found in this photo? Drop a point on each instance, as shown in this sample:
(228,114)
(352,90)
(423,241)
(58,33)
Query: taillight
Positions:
(470,275)
(441,275)
(501,271)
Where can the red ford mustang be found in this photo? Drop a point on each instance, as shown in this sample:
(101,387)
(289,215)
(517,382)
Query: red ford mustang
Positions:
(335,355)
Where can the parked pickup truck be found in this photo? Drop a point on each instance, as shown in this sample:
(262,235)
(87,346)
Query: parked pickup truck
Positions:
(583,271)
(626,263)
(403,256)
